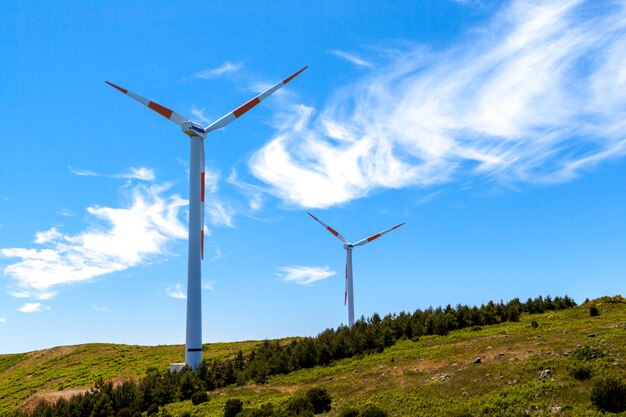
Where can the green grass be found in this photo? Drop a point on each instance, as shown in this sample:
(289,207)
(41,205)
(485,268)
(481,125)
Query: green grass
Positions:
(434,376)
(24,375)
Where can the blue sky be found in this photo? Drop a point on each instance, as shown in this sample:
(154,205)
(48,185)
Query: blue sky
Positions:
(494,129)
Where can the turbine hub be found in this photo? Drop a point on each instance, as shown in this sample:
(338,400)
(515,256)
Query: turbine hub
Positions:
(192,129)
(348,246)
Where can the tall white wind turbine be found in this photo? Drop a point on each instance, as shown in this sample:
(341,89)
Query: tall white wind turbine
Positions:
(197,134)
(349,293)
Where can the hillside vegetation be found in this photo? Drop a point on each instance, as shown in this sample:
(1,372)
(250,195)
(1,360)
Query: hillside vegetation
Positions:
(50,373)
(427,375)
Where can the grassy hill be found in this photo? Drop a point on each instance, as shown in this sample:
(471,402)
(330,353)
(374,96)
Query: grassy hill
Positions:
(68,369)
(435,375)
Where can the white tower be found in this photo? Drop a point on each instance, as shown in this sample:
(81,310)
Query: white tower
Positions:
(197,134)
(349,292)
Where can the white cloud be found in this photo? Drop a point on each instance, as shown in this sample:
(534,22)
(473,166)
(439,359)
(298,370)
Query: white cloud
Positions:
(218,254)
(176,292)
(119,239)
(218,213)
(209,73)
(32,308)
(100,308)
(207,285)
(140,173)
(538,95)
(65,212)
(83,172)
(254,193)
(211,180)
(47,236)
(198,115)
(3,320)
(351,58)
(256,202)
(304,275)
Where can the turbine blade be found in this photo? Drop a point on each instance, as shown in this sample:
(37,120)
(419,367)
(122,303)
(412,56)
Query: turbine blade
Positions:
(330,229)
(241,110)
(345,293)
(202,189)
(376,236)
(177,118)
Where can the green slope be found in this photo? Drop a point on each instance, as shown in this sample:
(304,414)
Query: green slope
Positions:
(64,368)
(432,376)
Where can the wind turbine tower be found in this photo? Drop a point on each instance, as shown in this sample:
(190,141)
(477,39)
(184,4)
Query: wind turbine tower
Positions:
(197,134)
(349,293)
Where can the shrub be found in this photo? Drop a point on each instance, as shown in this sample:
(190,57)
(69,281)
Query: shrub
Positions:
(199,397)
(534,324)
(580,371)
(587,353)
(609,394)
(593,311)
(152,409)
(373,411)
(125,412)
(320,400)
(233,407)
(299,406)
(349,412)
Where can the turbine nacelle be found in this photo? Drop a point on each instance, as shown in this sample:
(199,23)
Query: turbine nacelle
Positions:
(348,246)
(192,129)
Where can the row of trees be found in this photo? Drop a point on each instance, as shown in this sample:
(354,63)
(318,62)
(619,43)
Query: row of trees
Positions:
(128,399)
(366,336)
(158,388)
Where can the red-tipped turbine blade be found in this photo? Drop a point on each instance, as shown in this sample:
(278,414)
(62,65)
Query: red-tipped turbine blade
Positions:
(330,229)
(376,236)
(345,293)
(177,118)
(202,189)
(241,110)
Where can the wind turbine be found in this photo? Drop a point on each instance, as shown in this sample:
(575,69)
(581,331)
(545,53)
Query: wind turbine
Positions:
(349,293)
(197,134)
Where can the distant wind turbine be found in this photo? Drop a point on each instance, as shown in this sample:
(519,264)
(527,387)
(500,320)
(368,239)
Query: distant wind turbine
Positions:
(197,134)
(349,293)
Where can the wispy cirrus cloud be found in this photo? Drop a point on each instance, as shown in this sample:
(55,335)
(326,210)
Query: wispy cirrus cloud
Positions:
(226,68)
(199,116)
(3,320)
(119,238)
(537,95)
(39,295)
(140,173)
(217,211)
(254,193)
(304,275)
(211,179)
(100,308)
(65,212)
(207,285)
(217,255)
(352,58)
(176,292)
(32,308)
